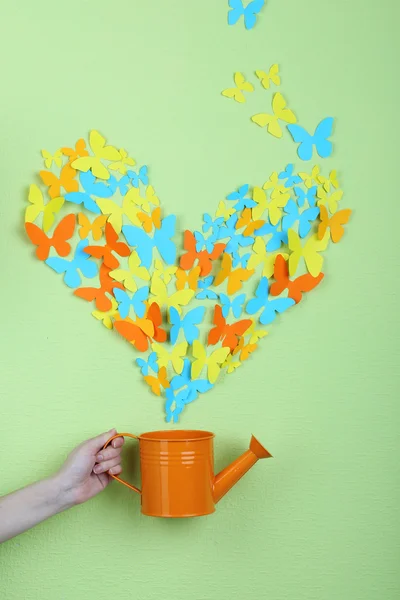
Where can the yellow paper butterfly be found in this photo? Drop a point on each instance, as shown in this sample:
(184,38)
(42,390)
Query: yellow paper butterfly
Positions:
(135,270)
(50,158)
(134,196)
(175,357)
(235,277)
(272,75)
(120,165)
(116,213)
(310,180)
(331,202)
(260,256)
(256,334)
(248,221)
(191,278)
(38,206)
(163,298)
(108,316)
(309,252)
(95,228)
(163,271)
(213,362)
(329,181)
(280,113)
(274,183)
(157,381)
(224,211)
(274,205)
(101,152)
(247,350)
(230,364)
(241,86)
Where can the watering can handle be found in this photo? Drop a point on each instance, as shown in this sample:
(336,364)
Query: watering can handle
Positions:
(135,437)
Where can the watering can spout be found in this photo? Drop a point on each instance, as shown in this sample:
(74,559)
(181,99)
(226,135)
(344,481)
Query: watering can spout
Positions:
(227,478)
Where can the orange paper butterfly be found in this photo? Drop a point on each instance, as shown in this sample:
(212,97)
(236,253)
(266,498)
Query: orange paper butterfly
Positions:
(103,302)
(295,287)
(148,221)
(191,278)
(235,277)
(112,245)
(66,180)
(63,232)
(74,153)
(205,258)
(229,334)
(95,228)
(136,332)
(158,381)
(335,223)
(153,314)
(246,221)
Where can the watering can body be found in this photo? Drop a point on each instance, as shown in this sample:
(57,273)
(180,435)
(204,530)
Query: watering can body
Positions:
(177,469)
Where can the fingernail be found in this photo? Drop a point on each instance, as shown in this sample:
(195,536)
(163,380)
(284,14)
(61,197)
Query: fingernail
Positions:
(99,457)
(97,469)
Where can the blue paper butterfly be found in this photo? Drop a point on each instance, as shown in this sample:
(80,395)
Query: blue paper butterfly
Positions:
(288,175)
(187,323)
(137,177)
(151,363)
(238,260)
(203,285)
(137,301)
(249,12)
(207,243)
(307,141)
(236,239)
(270,307)
(122,184)
(87,181)
(239,195)
(81,262)
(189,391)
(305,218)
(144,244)
(278,238)
(309,195)
(210,223)
(235,304)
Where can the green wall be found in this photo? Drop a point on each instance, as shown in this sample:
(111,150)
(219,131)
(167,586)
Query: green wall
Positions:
(320,520)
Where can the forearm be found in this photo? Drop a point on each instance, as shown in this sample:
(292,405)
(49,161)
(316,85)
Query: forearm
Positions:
(27,507)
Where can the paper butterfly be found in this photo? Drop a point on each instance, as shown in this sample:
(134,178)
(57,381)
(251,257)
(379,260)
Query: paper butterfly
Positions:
(249,12)
(81,262)
(50,158)
(236,304)
(260,256)
(66,180)
(205,292)
(287,174)
(151,363)
(175,357)
(334,223)
(38,206)
(161,240)
(63,232)
(136,178)
(309,252)
(320,139)
(296,287)
(281,113)
(240,196)
(121,164)
(271,76)
(187,324)
(309,195)
(304,218)
(229,334)
(87,181)
(95,228)
(241,86)
(137,302)
(268,308)
(212,362)
(101,152)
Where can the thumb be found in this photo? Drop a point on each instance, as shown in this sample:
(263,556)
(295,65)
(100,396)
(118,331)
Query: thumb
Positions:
(95,444)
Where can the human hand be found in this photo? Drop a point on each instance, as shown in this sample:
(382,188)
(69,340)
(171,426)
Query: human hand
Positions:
(85,473)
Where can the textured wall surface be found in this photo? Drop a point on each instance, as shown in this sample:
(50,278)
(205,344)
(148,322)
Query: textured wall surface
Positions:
(320,520)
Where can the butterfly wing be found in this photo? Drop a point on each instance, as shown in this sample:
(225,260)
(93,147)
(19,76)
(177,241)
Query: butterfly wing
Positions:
(138,300)
(176,322)
(322,132)
(214,362)
(190,322)
(236,11)
(163,242)
(301,136)
(144,245)
(261,297)
(312,258)
(200,355)
(305,220)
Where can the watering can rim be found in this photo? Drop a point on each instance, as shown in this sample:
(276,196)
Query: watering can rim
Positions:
(176,435)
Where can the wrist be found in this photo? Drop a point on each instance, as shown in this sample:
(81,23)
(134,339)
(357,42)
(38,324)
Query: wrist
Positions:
(63,495)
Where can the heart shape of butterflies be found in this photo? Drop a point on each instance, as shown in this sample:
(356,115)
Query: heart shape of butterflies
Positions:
(97,222)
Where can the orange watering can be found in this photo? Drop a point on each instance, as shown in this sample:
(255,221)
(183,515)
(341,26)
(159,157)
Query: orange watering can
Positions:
(178,472)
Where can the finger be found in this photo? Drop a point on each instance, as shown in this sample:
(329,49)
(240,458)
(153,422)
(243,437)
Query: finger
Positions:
(95,444)
(118,442)
(108,453)
(105,466)
(115,470)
